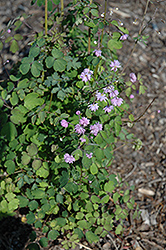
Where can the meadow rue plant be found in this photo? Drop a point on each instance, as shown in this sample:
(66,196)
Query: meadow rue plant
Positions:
(61,117)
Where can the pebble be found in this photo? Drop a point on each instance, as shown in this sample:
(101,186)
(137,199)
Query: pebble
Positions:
(107,246)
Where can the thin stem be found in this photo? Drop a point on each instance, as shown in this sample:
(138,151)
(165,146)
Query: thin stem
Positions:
(89,31)
(46,17)
(50,102)
(62,8)
(105,9)
(102,34)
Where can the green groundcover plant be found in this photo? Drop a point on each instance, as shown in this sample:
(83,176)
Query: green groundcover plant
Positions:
(61,115)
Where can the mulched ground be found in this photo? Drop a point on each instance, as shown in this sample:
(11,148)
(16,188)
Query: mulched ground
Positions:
(146,169)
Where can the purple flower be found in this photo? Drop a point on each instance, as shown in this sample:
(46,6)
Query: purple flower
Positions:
(109,89)
(101,97)
(89,155)
(133,77)
(93,107)
(124,37)
(115,65)
(116,101)
(95,128)
(108,108)
(84,121)
(69,158)
(114,93)
(131,96)
(97,52)
(82,139)
(86,75)
(64,123)
(9,31)
(80,130)
(78,112)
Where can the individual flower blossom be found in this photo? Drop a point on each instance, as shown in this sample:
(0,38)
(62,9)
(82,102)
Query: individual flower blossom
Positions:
(108,89)
(158,111)
(9,31)
(116,101)
(69,158)
(95,128)
(133,77)
(78,112)
(93,107)
(95,42)
(101,97)
(114,93)
(84,121)
(124,37)
(80,130)
(97,52)
(131,96)
(102,15)
(82,139)
(108,109)
(89,155)
(86,75)
(64,123)
(115,65)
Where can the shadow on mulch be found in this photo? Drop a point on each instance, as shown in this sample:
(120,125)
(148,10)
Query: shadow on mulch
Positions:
(13,233)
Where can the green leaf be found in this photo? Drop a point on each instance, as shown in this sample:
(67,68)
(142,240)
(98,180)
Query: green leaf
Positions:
(14,99)
(59,198)
(25,158)
(53,234)
(34,51)
(36,69)
(57,53)
(24,68)
(23,201)
(14,46)
(94,12)
(43,171)
(43,242)
(116,197)
(91,237)
(77,154)
(31,101)
(32,149)
(56,2)
(10,165)
(38,193)
(59,65)
(71,187)
(61,95)
(93,169)
(33,246)
(105,199)
(36,164)
(114,44)
(119,229)
(18,37)
(30,218)
(9,131)
(95,199)
(109,186)
(33,205)
(49,61)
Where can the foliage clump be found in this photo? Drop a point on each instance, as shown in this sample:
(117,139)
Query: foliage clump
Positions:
(61,117)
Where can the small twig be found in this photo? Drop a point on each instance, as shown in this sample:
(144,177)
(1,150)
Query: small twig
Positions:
(130,236)
(135,166)
(109,236)
(81,245)
(153,244)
